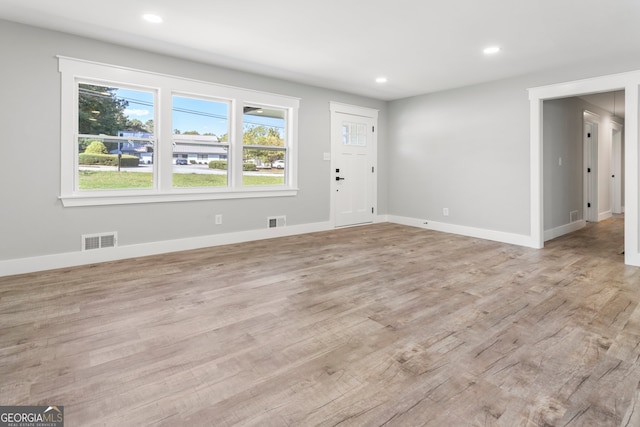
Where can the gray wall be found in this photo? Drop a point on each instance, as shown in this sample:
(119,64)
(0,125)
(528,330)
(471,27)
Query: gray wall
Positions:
(33,221)
(563,184)
(467,149)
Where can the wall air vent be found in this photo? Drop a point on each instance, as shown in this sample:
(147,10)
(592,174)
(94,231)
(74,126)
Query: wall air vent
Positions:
(99,241)
(276,221)
(573,216)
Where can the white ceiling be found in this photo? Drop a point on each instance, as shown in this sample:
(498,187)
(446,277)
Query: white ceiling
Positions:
(420,45)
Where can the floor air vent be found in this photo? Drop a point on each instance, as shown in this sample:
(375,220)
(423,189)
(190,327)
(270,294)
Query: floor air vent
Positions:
(99,241)
(276,221)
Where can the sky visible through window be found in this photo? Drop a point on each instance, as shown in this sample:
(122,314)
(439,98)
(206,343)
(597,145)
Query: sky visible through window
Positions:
(190,114)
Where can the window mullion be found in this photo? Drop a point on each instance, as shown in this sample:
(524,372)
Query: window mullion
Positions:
(236,148)
(164,141)
(291,155)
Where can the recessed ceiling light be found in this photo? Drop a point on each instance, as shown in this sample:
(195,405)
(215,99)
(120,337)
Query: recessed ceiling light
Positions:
(150,17)
(381,80)
(491,50)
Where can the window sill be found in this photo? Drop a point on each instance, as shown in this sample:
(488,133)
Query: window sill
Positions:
(103,199)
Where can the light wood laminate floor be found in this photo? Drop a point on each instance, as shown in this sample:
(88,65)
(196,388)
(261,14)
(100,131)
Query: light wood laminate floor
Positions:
(374,325)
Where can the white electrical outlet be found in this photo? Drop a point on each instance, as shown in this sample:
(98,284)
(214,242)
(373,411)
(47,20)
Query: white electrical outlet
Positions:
(218,219)
(445,211)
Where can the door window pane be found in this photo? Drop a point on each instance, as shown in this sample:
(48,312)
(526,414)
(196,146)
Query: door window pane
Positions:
(354,134)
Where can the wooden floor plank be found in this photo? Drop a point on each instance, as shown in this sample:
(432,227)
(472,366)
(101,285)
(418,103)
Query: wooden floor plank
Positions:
(374,325)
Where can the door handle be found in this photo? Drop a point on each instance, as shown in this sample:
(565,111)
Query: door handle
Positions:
(338,178)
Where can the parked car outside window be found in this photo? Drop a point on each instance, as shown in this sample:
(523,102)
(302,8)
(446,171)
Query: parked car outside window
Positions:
(181,162)
(278,164)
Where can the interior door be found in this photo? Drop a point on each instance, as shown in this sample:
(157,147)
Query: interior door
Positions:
(353,169)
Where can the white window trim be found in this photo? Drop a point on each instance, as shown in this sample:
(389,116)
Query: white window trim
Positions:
(72,70)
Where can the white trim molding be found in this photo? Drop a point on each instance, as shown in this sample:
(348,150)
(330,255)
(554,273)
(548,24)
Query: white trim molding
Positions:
(604,215)
(479,233)
(73,259)
(381,218)
(564,229)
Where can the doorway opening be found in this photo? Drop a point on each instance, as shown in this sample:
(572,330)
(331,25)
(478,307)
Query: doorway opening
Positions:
(583,146)
(630,83)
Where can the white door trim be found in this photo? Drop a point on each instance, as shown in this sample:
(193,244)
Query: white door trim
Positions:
(630,82)
(616,167)
(590,161)
(335,108)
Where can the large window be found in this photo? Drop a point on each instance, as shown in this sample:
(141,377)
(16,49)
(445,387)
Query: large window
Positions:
(132,136)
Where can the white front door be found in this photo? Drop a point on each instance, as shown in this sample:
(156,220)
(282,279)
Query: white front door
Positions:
(353,168)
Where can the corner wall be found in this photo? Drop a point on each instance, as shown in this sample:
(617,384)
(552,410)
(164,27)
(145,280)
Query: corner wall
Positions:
(471,150)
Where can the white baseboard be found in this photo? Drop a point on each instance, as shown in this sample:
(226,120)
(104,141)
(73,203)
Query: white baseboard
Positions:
(604,215)
(480,233)
(564,229)
(381,218)
(72,259)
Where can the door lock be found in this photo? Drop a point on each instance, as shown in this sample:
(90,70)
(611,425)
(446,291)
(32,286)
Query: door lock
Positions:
(338,178)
